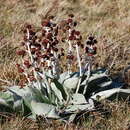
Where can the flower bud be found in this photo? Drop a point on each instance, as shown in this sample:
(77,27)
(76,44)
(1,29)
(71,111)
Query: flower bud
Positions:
(49,36)
(27,64)
(46,23)
(28,26)
(86,49)
(68,27)
(77,33)
(82,46)
(78,43)
(69,21)
(45,41)
(17,65)
(71,15)
(55,49)
(20,70)
(75,24)
(73,32)
(62,50)
(31,78)
(31,32)
(21,52)
(33,50)
(91,38)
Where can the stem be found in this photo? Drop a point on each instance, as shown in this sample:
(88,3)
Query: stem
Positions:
(79,61)
(70,46)
(49,64)
(44,77)
(32,61)
(69,69)
(25,73)
(70,51)
(80,68)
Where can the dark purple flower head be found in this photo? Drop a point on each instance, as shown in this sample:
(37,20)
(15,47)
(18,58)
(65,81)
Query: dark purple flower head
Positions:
(43,32)
(27,63)
(75,23)
(62,50)
(31,32)
(28,26)
(49,36)
(55,49)
(70,57)
(20,70)
(73,32)
(68,27)
(69,21)
(21,52)
(45,42)
(91,40)
(71,38)
(46,23)
(77,33)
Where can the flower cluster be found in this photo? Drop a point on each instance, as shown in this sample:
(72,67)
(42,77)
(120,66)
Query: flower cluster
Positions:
(91,48)
(42,50)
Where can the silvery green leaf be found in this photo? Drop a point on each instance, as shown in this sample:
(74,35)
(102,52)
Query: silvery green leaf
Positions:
(5,96)
(18,105)
(11,100)
(72,117)
(104,84)
(4,102)
(95,76)
(39,96)
(104,94)
(112,94)
(49,75)
(53,114)
(77,108)
(44,109)
(63,77)
(71,83)
(19,91)
(6,99)
(57,92)
(78,99)
(61,88)
(91,102)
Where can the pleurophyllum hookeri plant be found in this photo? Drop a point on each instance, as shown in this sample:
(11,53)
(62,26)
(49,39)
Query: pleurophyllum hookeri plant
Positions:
(48,89)
(42,53)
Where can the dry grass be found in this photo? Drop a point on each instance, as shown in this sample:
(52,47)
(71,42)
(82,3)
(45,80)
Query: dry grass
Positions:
(117,118)
(107,19)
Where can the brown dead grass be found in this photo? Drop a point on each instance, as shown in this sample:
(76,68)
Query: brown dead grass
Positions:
(117,118)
